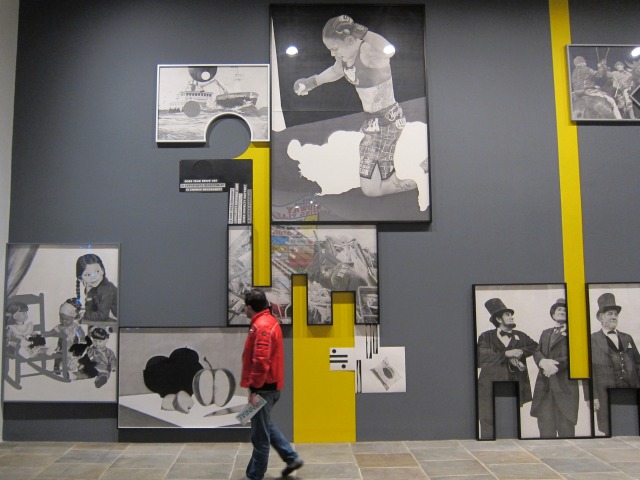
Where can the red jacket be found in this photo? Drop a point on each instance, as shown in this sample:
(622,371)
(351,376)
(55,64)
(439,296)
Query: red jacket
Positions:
(263,356)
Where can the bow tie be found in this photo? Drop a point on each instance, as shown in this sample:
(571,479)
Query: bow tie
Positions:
(506,334)
(559,330)
(612,332)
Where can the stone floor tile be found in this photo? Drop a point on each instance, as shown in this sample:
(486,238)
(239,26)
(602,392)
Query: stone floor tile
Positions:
(559,451)
(466,477)
(99,446)
(71,471)
(90,456)
(369,460)
(413,444)
(475,445)
(525,471)
(587,443)
(379,447)
(27,460)
(632,469)
(453,467)
(155,448)
(134,474)
(453,453)
(206,456)
(200,471)
(616,454)
(18,473)
(328,471)
(393,473)
(597,476)
(578,465)
(144,461)
(506,456)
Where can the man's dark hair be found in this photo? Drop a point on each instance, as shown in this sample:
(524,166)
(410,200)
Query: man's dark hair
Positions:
(256,299)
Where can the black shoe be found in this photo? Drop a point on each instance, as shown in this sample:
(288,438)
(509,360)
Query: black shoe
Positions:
(295,465)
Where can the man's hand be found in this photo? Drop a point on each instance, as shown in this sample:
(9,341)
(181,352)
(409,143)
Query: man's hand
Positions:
(253,398)
(596,404)
(515,353)
(549,367)
(303,86)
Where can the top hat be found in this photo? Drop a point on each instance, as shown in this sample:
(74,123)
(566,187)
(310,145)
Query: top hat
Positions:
(496,308)
(607,301)
(561,302)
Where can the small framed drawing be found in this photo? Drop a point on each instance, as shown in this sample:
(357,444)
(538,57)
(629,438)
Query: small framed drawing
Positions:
(191,97)
(604,81)
(61,319)
(521,337)
(349,141)
(614,330)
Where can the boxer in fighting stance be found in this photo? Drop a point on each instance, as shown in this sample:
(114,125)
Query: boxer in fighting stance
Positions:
(363,59)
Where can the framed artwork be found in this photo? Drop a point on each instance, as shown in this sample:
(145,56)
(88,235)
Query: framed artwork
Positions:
(181,377)
(614,330)
(337,258)
(604,82)
(191,97)
(521,336)
(60,323)
(349,114)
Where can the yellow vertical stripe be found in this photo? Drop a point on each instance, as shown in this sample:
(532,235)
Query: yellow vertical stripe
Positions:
(261,208)
(324,401)
(570,196)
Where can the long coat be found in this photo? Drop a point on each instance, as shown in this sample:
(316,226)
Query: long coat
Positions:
(494,365)
(557,386)
(602,367)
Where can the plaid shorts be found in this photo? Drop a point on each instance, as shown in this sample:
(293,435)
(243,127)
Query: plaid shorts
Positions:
(381,132)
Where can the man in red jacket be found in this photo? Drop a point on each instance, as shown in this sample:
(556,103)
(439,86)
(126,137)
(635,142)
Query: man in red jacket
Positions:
(263,374)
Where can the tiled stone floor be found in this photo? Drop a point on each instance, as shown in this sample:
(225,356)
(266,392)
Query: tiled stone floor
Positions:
(586,459)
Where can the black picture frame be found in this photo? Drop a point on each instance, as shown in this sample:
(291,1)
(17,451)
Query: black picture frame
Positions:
(181,377)
(44,352)
(539,390)
(334,258)
(315,154)
(619,347)
(191,97)
(604,82)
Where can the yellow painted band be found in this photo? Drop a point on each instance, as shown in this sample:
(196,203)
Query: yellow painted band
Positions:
(570,195)
(324,401)
(261,209)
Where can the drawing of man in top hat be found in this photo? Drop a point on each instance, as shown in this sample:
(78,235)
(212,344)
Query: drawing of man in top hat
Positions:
(615,361)
(501,357)
(555,396)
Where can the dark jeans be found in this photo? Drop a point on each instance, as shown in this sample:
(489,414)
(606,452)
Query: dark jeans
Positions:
(263,434)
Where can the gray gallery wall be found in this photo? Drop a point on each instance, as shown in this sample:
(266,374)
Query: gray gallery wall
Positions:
(86,169)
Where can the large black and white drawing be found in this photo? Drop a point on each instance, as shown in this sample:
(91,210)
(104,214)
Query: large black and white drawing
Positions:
(61,316)
(614,330)
(333,259)
(349,129)
(521,334)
